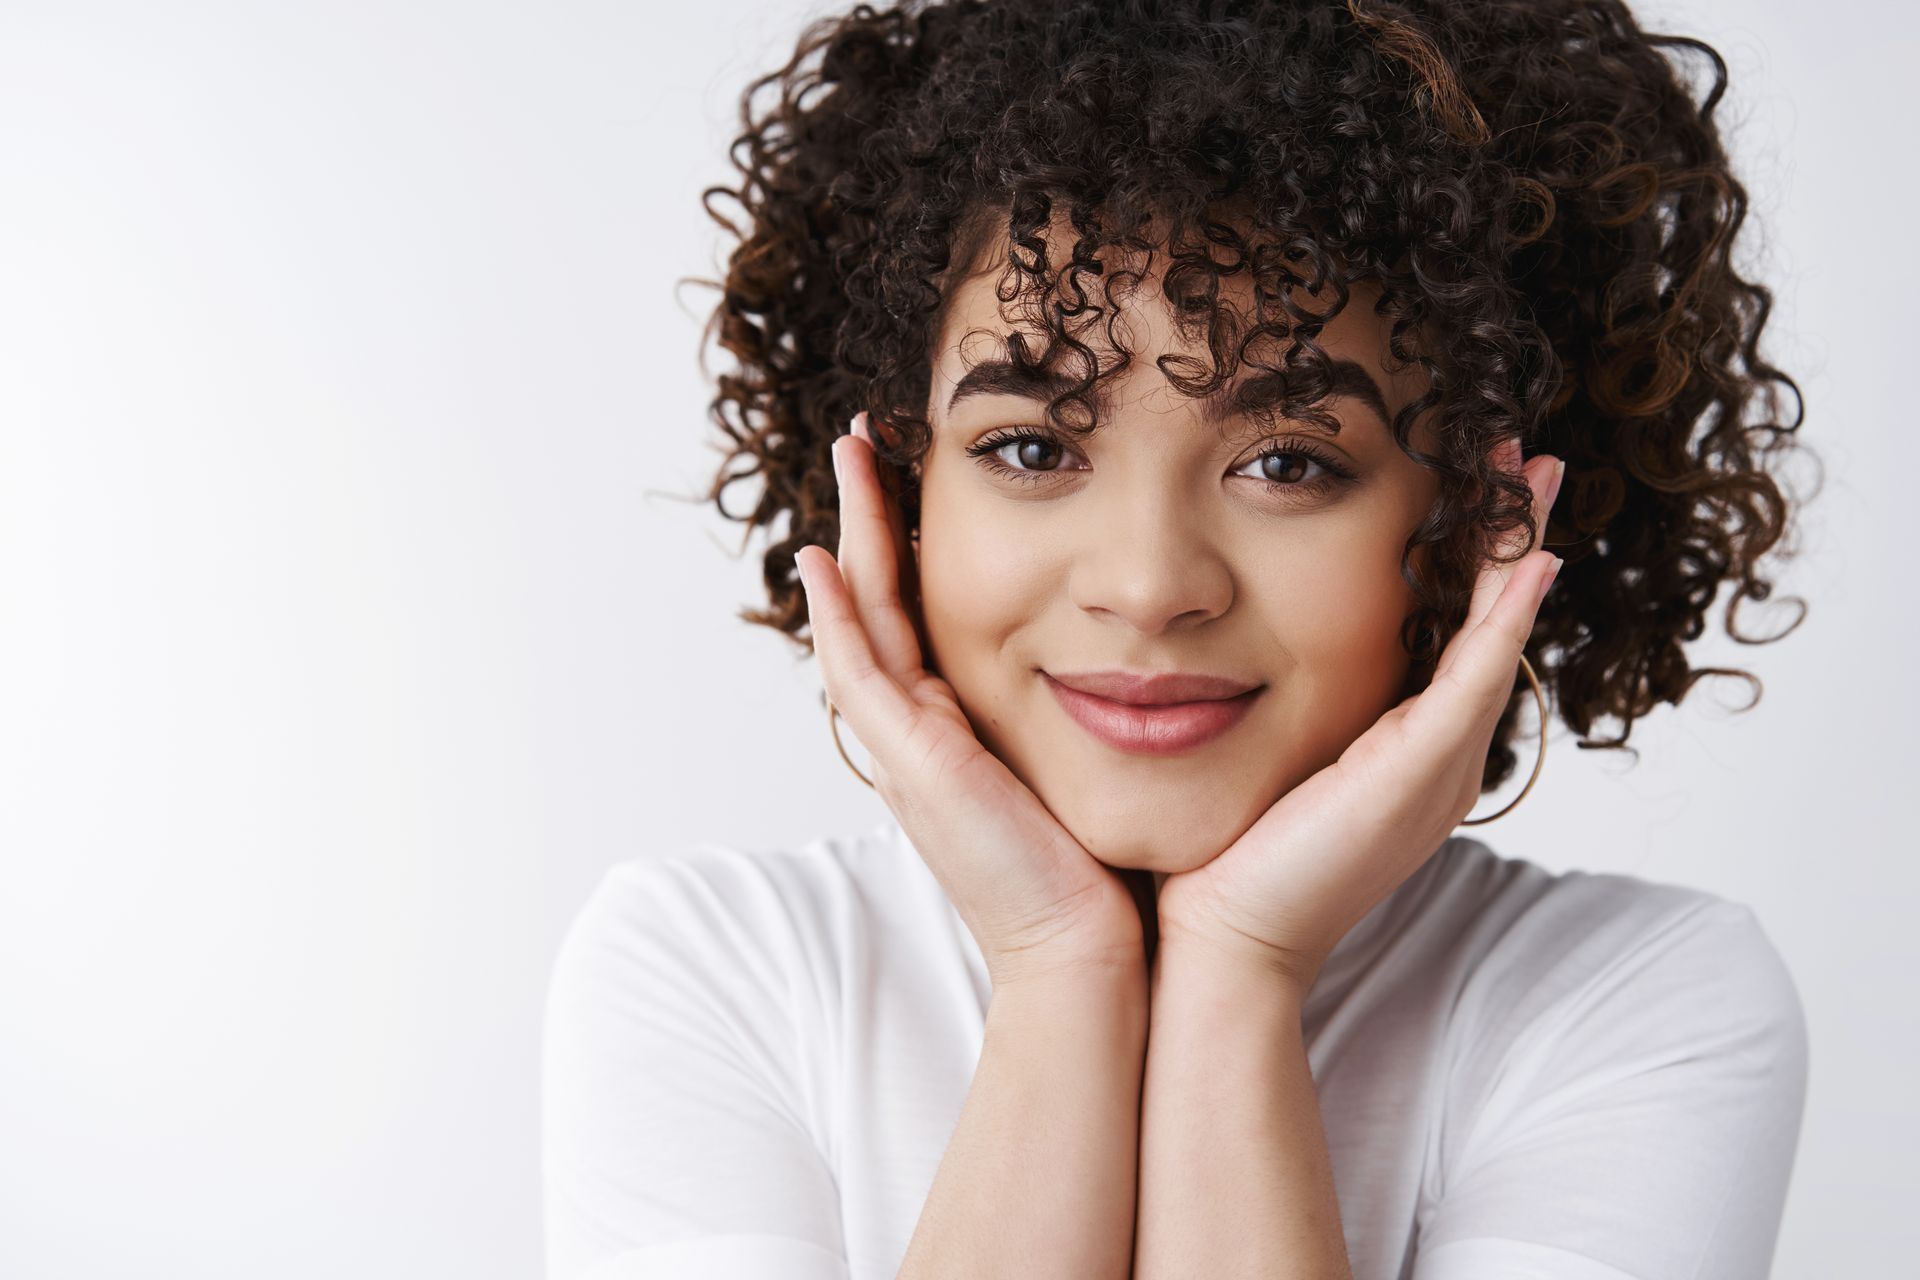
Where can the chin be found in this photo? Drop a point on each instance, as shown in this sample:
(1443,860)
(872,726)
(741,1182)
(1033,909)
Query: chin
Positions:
(1145,836)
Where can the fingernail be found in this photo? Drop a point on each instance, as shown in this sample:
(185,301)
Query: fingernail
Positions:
(1553,486)
(859,427)
(1547,581)
(800,566)
(834,450)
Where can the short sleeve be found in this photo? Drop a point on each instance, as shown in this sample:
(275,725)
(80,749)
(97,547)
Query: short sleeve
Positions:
(1643,1128)
(674,1138)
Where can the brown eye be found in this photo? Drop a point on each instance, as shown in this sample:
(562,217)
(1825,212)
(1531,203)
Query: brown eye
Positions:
(1021,454)
(1296,470)
(1035,454)
(1284,467)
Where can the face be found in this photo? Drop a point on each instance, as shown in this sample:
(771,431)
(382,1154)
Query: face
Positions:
(1184,536)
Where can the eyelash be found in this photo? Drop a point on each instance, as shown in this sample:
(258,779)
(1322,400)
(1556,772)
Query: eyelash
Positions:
(986,448)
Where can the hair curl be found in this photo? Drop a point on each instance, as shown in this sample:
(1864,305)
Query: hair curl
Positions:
(1548,211)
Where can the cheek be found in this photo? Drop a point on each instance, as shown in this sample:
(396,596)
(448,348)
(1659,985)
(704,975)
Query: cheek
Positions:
(1334,607)
(1338,606)
(981,580)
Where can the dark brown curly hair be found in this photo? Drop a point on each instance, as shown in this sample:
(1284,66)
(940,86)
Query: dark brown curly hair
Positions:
(1547,209)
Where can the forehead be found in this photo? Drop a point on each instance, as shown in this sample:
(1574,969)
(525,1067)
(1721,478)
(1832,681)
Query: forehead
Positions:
(1129,304)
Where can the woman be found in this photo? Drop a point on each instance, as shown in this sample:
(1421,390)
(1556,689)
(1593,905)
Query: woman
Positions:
(1200,399)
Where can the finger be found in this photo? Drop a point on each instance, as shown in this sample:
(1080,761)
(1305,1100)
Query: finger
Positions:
(903,551)
(1499,569)
(868,562)
(862,428)
(873,704)
(1471,687)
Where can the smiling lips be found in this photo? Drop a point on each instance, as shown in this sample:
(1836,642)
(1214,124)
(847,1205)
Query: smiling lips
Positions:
(1154,715)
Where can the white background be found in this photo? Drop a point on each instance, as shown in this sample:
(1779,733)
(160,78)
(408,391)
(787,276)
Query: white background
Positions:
(351,628)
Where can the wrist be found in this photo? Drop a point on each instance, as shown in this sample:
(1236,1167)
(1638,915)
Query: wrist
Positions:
(1109,954)
(1207,977)
(1081,998)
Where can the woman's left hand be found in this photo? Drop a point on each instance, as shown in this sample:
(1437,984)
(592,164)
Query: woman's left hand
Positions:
(1279,898)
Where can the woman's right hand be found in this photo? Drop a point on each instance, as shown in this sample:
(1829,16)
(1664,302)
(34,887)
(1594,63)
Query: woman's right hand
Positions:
(1035,900)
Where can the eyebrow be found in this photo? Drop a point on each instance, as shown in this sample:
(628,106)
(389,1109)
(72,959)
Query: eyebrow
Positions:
(1252,395)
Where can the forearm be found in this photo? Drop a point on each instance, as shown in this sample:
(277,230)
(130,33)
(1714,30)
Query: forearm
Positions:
(1039,1176)
(1235,1179)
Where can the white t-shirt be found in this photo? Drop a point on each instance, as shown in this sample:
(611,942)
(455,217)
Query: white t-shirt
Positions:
(753,1061)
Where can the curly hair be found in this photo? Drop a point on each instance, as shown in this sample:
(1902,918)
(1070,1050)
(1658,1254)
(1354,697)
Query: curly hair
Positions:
(1548,213)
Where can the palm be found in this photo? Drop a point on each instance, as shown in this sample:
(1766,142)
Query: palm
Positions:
(1272,872)
(1332,847)
(1015,817)
(1016,875)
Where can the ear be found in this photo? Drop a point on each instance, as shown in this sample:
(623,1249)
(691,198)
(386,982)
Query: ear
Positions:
(883,431)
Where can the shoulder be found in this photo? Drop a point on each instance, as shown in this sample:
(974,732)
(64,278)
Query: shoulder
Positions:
(1583,977)
(689,1118)
(705,902)
(1549,942)
(1625,1073)
(779,918)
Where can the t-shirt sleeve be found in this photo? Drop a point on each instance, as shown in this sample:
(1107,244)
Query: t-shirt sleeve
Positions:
(675,1140)
(1643,1127)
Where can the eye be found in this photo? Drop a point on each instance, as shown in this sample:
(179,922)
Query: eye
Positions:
(1294,469)
(1022,454)
(1288,469)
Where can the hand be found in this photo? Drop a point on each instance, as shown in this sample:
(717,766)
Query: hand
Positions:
(1329,850)
(1034,898)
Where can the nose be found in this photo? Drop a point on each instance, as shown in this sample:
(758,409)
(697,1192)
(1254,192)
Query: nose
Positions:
(1145,559)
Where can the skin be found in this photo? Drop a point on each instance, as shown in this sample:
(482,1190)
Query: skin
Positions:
(1195,1146)
(1156,545)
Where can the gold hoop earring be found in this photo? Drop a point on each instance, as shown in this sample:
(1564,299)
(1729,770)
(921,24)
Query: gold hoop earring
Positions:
(1540,699)
(833,713)
(1540,759)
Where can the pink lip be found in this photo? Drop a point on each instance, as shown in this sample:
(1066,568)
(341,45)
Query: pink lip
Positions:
(1154,725)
